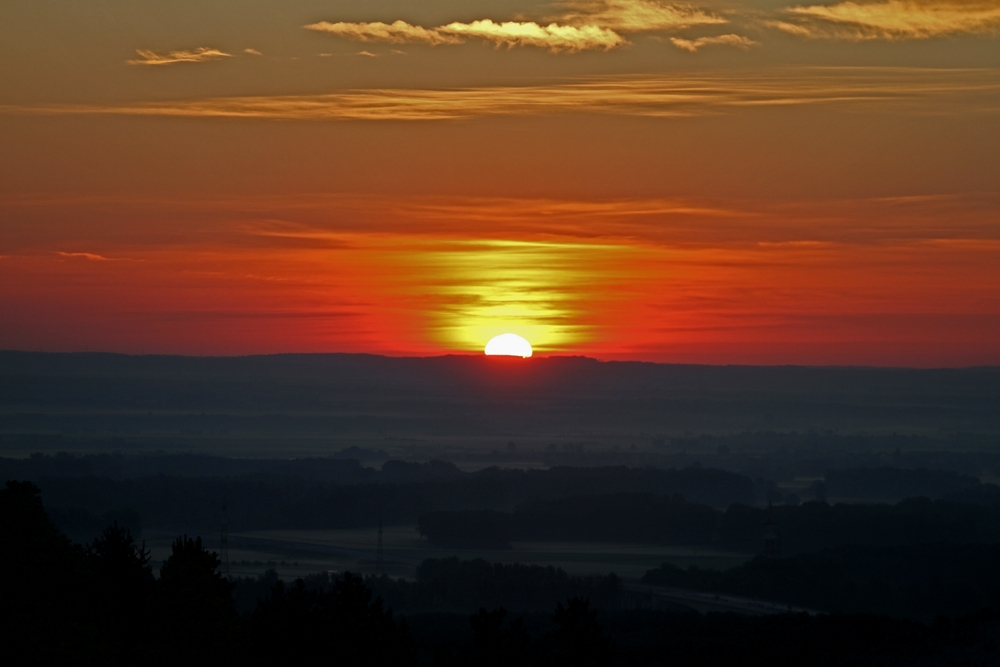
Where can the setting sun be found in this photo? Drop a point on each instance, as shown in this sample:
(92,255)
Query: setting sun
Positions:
(634,180)
(508,345)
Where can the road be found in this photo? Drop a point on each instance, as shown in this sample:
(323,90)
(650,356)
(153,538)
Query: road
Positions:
(705,602)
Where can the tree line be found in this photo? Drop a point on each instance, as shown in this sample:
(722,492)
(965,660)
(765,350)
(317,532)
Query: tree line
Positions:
(401,493)
(670,520)
(450,584)
(915,581)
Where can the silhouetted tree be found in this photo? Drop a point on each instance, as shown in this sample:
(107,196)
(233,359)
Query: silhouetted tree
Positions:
(44,587)
(124,594)
(296,624)
(578,640)
(450,583)
(122,567)
(198,613)
(249,591)
(495,644)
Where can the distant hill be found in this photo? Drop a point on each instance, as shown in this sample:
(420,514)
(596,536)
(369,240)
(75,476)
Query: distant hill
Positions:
(335,395)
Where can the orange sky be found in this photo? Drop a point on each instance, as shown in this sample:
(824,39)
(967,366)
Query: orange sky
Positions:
(723,183)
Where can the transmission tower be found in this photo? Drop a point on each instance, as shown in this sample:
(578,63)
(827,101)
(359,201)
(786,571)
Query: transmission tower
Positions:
(772,544)
(224,540)
(379,563)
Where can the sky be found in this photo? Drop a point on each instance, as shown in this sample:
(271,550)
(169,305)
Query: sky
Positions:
(755,182)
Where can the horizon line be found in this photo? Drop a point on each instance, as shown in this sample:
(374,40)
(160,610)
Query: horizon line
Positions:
(502,359)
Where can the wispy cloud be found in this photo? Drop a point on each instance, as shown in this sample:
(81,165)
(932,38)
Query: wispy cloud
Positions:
(367,54)
(793,28)
(680,95)
(637,15)
(199,55)
(84,255)
(252,52)
(693,45)
(892,19)
(552,37)
(399,32)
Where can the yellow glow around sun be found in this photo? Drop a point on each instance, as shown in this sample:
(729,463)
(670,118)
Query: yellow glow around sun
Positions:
(508,345)
(532,289)
(459,293)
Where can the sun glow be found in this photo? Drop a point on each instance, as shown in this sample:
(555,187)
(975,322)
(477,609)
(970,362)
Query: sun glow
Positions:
(508,345)
(487,287)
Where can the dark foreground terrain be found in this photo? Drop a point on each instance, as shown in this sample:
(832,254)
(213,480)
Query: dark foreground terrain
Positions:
(102,604)
(867,498)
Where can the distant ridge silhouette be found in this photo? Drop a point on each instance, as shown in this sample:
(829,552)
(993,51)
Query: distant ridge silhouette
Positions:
(475,395)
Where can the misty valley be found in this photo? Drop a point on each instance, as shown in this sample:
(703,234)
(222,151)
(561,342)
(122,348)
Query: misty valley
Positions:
(450,511)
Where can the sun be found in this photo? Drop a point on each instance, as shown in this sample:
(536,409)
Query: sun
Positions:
(508,345)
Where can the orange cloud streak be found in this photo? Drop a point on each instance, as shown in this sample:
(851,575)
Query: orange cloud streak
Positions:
(637,15)
(894,19)
(693,45)
(199,55)
(685,95)
(398,32)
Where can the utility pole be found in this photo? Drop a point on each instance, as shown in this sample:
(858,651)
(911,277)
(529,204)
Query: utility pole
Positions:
(771,541)
(379,562)
(224,540)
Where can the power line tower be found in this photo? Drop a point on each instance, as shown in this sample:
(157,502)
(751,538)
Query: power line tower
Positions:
(772,544)
(379,562)
(224,540)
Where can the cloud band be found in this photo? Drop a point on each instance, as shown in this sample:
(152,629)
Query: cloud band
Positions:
(689,95)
